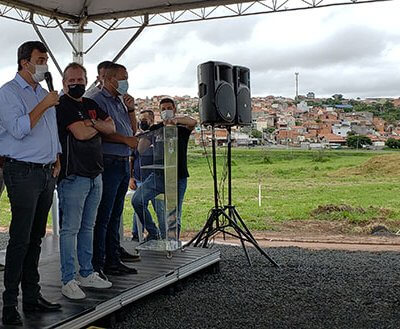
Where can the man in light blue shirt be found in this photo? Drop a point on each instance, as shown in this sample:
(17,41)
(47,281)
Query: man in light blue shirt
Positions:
(101,73)
(29,142)
(117,147)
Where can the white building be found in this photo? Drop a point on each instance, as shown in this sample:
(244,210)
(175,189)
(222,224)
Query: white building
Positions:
(260,125)
(341,129)
(303,107)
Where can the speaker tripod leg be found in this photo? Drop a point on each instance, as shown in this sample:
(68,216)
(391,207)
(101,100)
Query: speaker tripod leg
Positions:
(197,238)
(204,234)
(232,223)
(244,248)
(211,231)
(251,239)
(242,223)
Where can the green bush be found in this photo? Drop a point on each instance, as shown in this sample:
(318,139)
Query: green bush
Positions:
(393,143)
(358,141)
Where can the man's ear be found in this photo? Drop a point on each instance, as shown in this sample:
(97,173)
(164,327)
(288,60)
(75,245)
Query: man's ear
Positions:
(24,62)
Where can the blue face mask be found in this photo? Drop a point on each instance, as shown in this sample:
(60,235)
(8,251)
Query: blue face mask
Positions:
(122,87)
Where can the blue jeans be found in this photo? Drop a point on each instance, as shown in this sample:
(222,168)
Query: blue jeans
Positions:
(79,199)
(151,187)
(106,242)
(158,206)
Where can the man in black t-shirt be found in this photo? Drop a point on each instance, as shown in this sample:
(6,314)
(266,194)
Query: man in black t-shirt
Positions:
(138,175)
(153,186)
(80,123)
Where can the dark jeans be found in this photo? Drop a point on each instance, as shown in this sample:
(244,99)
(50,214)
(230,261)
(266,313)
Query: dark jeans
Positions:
(1,181)
(30,190)
(106,241)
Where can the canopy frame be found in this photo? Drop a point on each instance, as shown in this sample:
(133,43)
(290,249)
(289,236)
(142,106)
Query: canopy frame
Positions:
(165,14)
(138,19)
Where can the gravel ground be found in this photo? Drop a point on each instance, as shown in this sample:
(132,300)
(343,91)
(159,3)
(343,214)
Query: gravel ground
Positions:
(312,289)
(3,240)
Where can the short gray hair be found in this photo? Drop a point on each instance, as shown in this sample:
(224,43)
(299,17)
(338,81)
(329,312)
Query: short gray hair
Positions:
(74,65)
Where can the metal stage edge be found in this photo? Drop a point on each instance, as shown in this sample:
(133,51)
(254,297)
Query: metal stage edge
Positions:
(155,272)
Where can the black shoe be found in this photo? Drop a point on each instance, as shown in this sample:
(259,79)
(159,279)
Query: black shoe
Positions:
(41,305)
(152,237)
(127,257)
(119,269)
(135,237)
(11,316)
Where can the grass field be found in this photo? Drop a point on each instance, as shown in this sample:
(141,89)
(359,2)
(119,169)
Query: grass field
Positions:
(356,186)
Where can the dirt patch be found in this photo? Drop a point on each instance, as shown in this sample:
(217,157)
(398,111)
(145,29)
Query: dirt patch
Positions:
(312,227)
(330,208)
(319,234)
(350,219)
(382,165)
(315,235)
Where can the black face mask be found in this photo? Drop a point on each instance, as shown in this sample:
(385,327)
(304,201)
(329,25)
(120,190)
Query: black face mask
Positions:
(76,91)
(144,125)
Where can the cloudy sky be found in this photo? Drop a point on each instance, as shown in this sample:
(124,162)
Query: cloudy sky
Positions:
(353,50)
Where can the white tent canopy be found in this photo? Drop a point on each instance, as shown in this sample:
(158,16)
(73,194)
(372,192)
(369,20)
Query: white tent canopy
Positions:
(82,11)
(73,16)
(91,10)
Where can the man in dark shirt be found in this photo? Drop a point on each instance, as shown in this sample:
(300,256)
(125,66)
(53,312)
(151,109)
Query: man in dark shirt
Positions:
(1,181)
(146,121)
(80,122)
(152,186)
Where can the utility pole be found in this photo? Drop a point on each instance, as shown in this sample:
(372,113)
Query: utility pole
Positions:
(297,85)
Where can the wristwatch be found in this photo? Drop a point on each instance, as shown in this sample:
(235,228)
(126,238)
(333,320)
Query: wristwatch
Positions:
(93,121)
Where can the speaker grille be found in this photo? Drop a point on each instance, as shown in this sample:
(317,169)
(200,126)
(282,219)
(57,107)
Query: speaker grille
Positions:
(243,102)
(225,102)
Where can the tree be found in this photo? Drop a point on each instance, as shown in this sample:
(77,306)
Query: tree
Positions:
(256,134)
(386,111)
(337,96)
(393,143)
(358,141)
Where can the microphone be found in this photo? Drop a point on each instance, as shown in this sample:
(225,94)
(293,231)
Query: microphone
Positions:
(49,81)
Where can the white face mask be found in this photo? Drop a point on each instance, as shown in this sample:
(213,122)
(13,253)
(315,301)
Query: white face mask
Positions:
(167,114)
(40,70)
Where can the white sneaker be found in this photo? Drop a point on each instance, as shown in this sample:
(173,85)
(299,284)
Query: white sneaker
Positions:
(71,290)
(94,281)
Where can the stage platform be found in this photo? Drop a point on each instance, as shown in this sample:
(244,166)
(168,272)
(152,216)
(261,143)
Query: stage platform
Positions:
(155,271)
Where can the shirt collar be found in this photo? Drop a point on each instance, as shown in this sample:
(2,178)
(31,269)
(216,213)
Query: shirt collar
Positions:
(106,93)
(23,83)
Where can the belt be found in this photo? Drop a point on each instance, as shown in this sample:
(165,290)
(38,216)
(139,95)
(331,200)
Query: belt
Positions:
(31,164)
(116,157)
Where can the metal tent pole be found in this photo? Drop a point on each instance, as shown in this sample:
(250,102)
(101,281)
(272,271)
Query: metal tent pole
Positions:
(36,28)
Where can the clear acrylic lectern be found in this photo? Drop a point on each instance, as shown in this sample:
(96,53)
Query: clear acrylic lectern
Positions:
(162,179)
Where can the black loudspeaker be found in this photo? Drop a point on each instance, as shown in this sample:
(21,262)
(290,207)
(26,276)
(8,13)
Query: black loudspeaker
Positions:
(217,101)
(241,80)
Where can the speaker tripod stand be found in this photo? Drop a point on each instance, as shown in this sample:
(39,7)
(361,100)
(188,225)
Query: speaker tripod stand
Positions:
(226,217)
